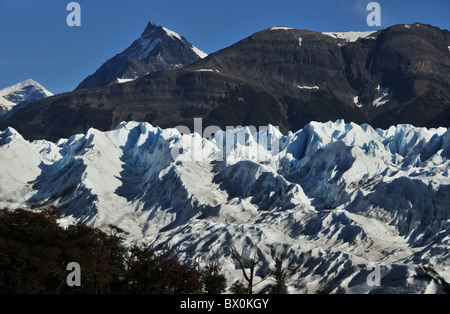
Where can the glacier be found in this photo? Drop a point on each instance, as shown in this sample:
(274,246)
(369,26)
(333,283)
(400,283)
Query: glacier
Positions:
(332,198)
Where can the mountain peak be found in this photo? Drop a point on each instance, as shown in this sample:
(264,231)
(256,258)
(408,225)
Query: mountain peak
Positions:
(21,93)
(150,26)
(157,49)
(26,83)
(151,29)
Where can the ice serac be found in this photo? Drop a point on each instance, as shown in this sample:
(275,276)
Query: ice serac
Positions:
(157,49)
(334,198)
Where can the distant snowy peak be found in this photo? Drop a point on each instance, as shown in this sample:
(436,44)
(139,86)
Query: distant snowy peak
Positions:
(22,92)
(25,90)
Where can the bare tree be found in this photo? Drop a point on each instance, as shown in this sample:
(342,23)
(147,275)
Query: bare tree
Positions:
(281,275)
(249,263)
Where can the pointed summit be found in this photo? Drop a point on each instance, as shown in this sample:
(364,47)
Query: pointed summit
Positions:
(150,26)
(157,49)
(151,29)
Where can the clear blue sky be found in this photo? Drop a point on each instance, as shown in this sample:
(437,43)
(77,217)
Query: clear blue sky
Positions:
(37,43)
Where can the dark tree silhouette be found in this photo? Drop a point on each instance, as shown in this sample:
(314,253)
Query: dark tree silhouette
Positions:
(246,262)
(239,288)
(281,275)
(214,282)
(152,271)
(35,251)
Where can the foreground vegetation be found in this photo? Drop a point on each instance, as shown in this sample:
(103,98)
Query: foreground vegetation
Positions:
(35,251)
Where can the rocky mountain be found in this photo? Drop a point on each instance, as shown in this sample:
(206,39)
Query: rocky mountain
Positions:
(282,76)
(336,200)
(157,49)
(19,95)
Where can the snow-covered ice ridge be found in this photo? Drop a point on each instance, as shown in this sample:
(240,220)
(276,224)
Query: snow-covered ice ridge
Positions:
(335,198)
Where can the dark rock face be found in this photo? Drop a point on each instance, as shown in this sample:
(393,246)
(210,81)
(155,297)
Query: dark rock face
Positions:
(285,77)
(414,62)
(157,49)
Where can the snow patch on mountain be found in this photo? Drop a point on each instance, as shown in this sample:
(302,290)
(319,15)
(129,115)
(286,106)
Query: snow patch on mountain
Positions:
(333,198)
(308,87)
(172,33)
(380,101)
(207,70)
(124,80)
(199,52)
(280,28)
(351,36)
(356,101)
(6,105)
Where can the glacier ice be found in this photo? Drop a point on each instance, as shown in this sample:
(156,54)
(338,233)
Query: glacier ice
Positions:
(332,197)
